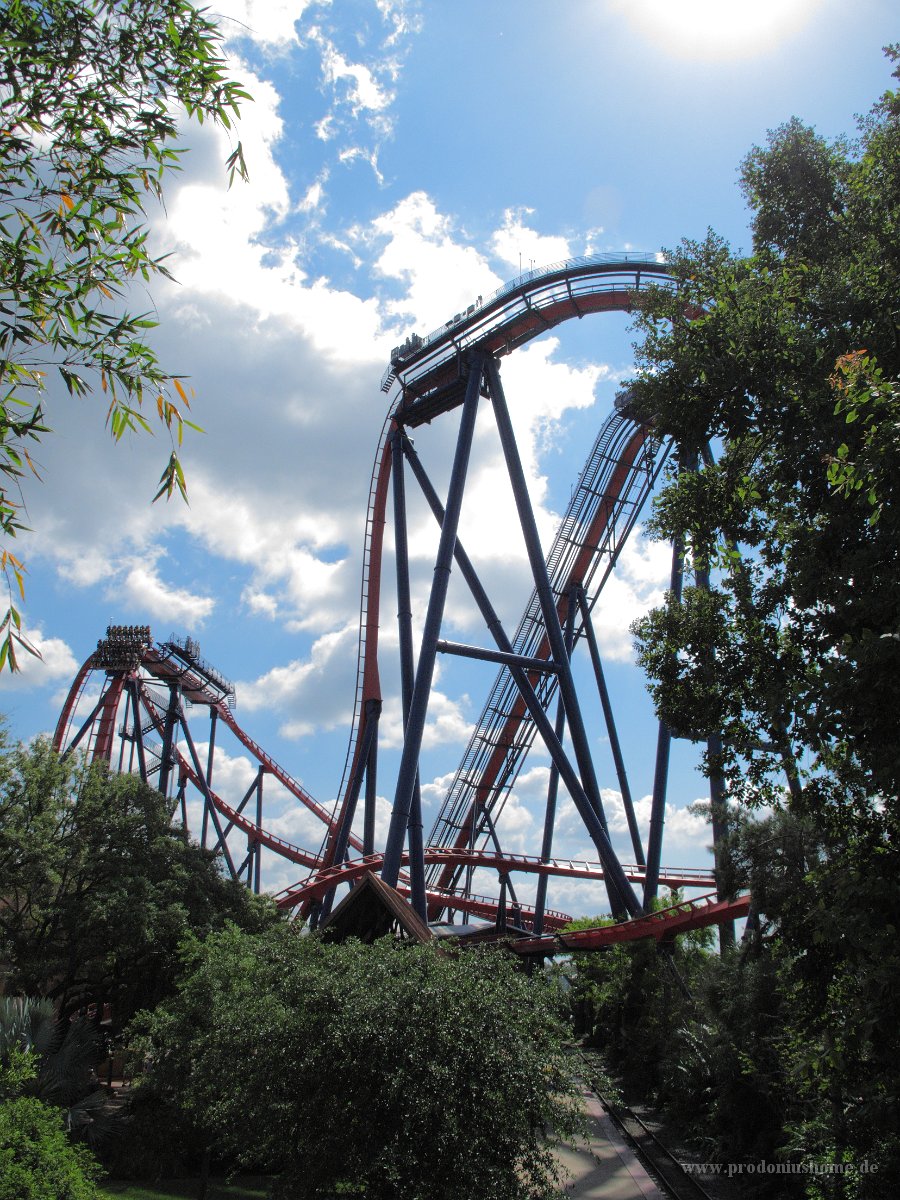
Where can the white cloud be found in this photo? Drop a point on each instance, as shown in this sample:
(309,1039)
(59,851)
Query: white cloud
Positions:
(316,693)
(439,273)
(637,584)
(56,662)
(524,248)
(364,90)
(271,23)
(141,588)
(447,723)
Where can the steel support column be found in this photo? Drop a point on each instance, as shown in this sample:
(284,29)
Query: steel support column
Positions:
(555,636)
(173,710)
(569,776)
(257,867)
(138,739)
(213,719)
(342,838)
(371,797)
(198,771)
(615,747)
(407,670)
(663,746)
(412,744)
(540,900)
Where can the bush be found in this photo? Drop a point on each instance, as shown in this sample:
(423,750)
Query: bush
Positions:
(394,1068)
(37,1161)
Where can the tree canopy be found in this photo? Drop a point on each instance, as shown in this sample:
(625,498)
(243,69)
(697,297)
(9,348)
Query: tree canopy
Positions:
(98,887)
(775,373)
(90,97)
(392,1070)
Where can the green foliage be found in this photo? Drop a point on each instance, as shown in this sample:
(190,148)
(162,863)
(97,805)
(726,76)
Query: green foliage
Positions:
(37,1161)
(787,368)
(397,1069)
(627,999)
(65,1055)
(99,887)
(777,375)
(90,92)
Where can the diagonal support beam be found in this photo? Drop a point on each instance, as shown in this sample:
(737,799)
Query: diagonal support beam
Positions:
(598,833)
(412,743)
(587,625)
(552,625)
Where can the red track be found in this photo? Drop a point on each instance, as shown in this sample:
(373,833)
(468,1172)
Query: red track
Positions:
(431,376)
(328,877)
(662,925)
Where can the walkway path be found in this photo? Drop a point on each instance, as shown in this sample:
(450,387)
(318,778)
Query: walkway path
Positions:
(605,1167)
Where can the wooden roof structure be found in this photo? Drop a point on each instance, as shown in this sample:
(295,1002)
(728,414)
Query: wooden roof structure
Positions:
(373,909)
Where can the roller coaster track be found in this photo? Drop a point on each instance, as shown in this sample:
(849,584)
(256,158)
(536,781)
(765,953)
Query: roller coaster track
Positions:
(661,925)
(612,488)
(610,493)
(350,871)
(428,377)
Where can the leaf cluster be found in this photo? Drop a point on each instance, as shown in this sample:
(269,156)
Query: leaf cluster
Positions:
(90,97)
(776,375)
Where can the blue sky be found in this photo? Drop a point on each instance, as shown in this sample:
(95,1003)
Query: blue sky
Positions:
(406,157)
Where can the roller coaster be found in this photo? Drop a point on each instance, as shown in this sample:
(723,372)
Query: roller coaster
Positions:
(130,702)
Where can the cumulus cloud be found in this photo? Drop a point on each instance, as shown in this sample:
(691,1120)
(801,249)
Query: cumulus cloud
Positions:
(269,23)
(283,317)
(141,586)
(522,247)
(55,663)
(422,249)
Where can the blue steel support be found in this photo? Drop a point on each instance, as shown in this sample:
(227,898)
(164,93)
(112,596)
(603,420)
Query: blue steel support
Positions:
(498,656)
(412,743)
(505,876)
(257,868)
(615,747)
(166,761)
(251,791)
(181,799)
(718,804)
(198,770)
(661,772)
(407,672)
(85,727)
(371,796)
(569,776)
(555,637)
(209,767)
(540,900)
(138,731)
(370,734)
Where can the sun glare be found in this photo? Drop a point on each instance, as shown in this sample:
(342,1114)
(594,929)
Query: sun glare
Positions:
(718,28)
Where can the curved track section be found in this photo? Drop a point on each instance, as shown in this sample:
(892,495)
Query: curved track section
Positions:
(563,868)
(661,926)
(427,377)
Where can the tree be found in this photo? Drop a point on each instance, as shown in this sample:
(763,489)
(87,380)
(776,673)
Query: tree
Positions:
(776,374)
(91,92)
(627,1000)
(98,887)
(65,1054)
(37,1161)
(783,383)
(395,1070)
